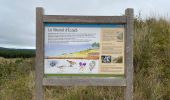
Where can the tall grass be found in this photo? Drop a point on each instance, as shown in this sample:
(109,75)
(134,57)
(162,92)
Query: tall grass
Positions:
(17,79)
(152,59)
(151,75)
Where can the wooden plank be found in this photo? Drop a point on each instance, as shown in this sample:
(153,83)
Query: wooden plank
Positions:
(39,69)
(84,19)
(129,55)
(83,81)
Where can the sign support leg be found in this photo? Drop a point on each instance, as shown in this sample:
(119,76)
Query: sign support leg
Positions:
(39,54)
(129,55)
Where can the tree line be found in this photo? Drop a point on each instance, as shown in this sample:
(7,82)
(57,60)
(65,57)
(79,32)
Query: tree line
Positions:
(17,53)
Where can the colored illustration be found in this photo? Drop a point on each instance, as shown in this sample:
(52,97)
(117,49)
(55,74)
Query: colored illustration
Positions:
(61,67)
(53,63)
(82,65)
(118,59)
(119,36)
(73,51)
(92,64)
(71,63)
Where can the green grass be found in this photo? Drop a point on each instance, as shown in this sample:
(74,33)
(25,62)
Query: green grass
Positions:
(151,74)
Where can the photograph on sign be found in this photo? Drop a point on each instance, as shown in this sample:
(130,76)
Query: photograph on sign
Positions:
(84,49)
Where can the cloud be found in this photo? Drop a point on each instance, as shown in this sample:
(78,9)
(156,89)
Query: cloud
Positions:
(17,18)
(17,28)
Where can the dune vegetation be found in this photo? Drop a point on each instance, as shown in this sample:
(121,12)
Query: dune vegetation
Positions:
(151,71)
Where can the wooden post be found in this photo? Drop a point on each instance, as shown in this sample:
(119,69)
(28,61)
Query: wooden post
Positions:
(39,69)
(129,55)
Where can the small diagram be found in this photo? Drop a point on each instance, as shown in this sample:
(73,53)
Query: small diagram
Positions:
(82,65)
(61,67)
(92,65)
(53,63)
(119,36)
(106,59)
(71,63)
(118,59)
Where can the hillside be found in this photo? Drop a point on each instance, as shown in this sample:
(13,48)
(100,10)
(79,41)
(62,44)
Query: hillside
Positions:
(85,54)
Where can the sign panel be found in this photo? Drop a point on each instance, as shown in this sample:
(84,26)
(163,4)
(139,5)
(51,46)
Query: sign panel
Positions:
(84,49)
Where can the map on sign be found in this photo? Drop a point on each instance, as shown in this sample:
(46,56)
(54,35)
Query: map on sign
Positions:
(84,49)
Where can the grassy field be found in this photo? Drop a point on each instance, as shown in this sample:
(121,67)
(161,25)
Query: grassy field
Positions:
(151,74)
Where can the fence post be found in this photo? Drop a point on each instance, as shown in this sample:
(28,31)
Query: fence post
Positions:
(39,69)
(129,54)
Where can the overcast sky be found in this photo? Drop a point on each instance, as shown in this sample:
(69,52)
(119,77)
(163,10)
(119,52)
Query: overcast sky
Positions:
(17,17)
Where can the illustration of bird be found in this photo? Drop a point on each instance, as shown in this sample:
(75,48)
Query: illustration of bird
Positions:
(71,63)
(92,64)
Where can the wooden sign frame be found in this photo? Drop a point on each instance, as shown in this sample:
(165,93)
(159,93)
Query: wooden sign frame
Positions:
(42,81)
